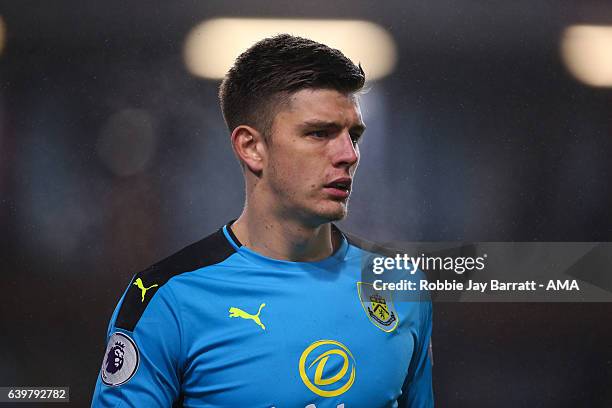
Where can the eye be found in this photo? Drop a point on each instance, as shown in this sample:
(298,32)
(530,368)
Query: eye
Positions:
(355,137)
(320,134)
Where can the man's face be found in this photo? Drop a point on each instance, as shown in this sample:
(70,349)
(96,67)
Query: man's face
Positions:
(313,155)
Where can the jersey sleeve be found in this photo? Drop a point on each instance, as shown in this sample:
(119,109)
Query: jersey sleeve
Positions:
(140,367)
(417,391)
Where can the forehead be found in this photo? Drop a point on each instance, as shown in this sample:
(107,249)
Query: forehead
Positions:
(322,105)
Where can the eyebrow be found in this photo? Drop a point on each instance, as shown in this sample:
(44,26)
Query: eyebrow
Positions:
(322,124)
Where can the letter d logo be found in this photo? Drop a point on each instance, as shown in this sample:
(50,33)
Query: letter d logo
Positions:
(340,362)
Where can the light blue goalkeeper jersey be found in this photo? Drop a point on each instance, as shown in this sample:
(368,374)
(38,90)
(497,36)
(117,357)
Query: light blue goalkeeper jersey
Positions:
(219,325)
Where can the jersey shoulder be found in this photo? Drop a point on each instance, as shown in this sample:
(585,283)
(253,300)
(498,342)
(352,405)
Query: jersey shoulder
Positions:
(371,247)
(371,252)
(210,250)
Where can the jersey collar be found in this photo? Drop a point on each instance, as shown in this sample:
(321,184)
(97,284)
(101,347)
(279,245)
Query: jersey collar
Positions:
(338,256)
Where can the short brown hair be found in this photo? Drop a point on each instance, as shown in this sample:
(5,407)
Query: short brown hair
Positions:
(272,69)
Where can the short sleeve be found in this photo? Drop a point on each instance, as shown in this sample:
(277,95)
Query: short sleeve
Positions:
(140,367)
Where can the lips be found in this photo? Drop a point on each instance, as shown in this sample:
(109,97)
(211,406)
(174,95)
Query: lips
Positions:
(343,183)
(340,187)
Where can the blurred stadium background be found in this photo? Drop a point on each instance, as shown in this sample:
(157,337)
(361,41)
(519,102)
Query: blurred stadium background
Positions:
(489,121)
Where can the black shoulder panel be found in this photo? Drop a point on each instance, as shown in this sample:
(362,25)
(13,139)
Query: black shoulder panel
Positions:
(369,246)
(209,251)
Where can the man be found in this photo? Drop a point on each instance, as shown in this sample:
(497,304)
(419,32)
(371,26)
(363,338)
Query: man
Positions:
(269,311)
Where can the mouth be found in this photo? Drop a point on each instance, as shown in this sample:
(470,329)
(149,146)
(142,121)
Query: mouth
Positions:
(340,188)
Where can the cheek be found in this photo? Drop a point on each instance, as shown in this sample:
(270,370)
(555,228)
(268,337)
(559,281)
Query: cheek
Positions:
(282,169)
(296,178)
(283,176)
(295,170)
(292,167)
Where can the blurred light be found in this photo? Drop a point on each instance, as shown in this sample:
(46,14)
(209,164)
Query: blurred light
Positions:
(2,34)
(587,52)
(212,46)
(127,142)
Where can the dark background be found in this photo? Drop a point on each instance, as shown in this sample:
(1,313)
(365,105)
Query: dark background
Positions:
(480,134)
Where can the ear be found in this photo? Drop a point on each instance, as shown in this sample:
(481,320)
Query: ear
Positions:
(249,145)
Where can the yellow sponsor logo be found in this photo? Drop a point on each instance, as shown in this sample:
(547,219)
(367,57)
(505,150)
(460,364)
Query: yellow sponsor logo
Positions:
(319,353)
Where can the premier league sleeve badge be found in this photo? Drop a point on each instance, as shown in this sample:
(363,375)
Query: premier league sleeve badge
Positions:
(121,360)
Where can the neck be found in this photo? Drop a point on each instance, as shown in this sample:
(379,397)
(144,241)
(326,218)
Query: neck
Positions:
(282,238)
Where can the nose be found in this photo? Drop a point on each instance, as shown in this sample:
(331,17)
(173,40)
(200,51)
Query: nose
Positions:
(345,153)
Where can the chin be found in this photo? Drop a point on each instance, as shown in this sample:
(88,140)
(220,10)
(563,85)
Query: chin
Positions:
(337,213)
(323,212)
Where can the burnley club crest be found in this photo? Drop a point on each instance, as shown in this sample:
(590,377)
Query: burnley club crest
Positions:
(378,306)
